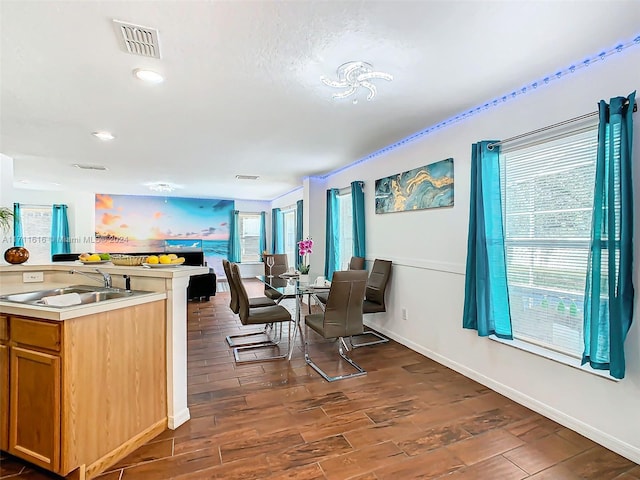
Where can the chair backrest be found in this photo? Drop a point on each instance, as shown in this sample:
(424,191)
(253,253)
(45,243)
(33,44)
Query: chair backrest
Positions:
(243,297)
(343,312)
(356,263)
(377,281)
(280,264)
(233,304)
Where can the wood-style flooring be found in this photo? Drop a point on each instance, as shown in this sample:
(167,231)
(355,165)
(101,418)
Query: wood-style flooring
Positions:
(408,418)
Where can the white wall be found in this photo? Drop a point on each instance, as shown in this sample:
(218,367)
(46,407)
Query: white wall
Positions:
(428,249)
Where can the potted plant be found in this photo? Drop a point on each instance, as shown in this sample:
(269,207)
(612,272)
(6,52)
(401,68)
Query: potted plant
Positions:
(6,219)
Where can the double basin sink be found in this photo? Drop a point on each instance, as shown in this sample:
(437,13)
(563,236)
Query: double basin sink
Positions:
(87,294)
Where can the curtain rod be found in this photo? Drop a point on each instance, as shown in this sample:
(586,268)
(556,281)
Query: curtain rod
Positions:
(550,127)
(34,205)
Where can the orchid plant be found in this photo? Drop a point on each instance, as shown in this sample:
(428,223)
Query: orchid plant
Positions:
(305,248)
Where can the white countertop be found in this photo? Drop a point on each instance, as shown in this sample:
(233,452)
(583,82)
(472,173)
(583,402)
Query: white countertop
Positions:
(53,313)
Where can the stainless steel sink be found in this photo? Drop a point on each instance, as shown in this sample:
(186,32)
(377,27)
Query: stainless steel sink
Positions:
(88,294)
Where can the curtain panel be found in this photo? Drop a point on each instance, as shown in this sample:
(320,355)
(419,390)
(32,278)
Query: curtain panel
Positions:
(332,250)
(357,200)
(609,291)
(235,253)
(277,231)
(486,302)
(299,228)
(60,241)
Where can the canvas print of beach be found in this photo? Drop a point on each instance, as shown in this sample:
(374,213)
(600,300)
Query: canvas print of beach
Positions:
(138,223)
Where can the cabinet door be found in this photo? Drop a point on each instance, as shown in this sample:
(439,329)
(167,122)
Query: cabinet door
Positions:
(4,397)
(34,413)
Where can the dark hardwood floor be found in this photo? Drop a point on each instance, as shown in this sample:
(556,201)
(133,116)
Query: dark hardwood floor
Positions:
(409,418)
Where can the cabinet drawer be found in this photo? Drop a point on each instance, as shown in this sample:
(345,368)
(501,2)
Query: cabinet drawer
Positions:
(4,328)
(35,333)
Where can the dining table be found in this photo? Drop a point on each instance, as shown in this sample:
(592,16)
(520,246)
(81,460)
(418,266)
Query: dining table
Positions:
(287,286)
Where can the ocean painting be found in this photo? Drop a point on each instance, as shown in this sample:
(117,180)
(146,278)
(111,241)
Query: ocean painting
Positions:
(138,223)
(430,186)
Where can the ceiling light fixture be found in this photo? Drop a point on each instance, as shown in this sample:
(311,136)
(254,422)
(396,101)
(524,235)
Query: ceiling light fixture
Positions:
(148,76)
(161,187)
(104,136)
(86,166)
(352,76)
(247,177)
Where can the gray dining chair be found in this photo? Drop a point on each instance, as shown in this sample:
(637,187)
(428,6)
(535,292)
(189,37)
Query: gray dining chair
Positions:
(342,317)
(272,314)
(254,302)
(280,266)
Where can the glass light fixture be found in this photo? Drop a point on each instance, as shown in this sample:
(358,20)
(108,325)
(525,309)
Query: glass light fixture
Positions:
(148,76)
(104,136)
(352,76)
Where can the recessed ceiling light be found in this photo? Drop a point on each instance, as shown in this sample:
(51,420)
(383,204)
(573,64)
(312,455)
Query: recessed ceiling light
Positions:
(148,76)
(103,135)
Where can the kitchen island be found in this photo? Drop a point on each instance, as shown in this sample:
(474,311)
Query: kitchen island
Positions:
(106,377)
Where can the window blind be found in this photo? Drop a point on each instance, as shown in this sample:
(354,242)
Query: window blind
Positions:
(547,193)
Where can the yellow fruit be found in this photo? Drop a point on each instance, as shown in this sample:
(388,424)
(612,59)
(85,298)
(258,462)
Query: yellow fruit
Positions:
(94,258)
(173,256)
(153,259)
(177,261)
(164,259)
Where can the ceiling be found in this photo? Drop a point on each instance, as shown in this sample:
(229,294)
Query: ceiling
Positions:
(242,93)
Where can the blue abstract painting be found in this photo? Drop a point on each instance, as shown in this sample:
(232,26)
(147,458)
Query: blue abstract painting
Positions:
(430,186)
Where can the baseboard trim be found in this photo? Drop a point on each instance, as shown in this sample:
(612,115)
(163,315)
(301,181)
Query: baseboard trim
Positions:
(174,421)
(622,448)
(102,464)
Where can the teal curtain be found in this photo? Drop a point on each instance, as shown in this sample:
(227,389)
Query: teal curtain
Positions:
(332,251)
(608,308)
(235,253)
(263,234)
(18,236)
(277,231)
(357,201)
(60,241)
(486,299)
(299,228)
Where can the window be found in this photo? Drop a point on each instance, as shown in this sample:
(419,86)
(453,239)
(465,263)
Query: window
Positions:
(289,235)
(36,231)
(250,237)
(547,204)
(345,207)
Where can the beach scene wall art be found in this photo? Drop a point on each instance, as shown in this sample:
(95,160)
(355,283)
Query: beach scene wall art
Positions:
(430,186)
(138,223)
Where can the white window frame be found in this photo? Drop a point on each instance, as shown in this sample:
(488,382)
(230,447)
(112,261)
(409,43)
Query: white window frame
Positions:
(289,235)
(36,221)
(345,226)
(576,246)
(249,237)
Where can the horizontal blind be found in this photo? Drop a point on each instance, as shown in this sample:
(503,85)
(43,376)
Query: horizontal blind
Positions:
(547,192)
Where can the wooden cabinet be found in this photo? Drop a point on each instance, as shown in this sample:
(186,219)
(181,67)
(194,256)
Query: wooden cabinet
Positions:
(82,393)
(34,421)
(4,383)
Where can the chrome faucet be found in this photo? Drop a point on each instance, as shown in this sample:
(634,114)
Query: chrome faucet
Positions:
(106,278)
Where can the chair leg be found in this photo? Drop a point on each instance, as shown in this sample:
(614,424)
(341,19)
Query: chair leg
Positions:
(341,351)
(381,339)
(238,350)
(264,332)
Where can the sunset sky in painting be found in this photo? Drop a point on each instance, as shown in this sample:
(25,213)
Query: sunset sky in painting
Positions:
(149,217)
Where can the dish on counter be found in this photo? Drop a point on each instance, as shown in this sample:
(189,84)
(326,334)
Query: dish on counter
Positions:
(89,262)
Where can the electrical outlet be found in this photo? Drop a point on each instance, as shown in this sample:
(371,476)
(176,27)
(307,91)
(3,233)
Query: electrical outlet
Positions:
(31,277)
(405,314)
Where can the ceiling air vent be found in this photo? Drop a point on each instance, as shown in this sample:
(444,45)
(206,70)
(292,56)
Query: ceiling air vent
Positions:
(247,177)
(89,167)
(138,40)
